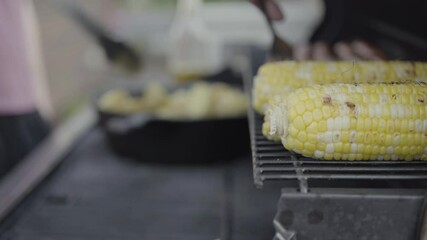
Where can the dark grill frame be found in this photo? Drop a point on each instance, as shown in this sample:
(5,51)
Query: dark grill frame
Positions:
(272,162)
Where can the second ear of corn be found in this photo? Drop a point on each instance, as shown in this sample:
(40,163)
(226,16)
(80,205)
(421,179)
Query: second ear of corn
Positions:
(279,78)
(352,121)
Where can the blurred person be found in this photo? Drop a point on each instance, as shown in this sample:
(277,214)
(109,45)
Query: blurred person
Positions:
(21,125)
(329,41)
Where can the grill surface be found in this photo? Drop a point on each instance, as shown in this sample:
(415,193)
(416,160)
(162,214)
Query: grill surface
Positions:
(272,162)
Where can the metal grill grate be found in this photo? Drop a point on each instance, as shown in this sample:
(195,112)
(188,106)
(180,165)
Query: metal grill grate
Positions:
(272,162)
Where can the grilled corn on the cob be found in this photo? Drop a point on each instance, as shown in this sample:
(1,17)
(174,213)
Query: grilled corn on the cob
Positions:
(282,77)
(353,121)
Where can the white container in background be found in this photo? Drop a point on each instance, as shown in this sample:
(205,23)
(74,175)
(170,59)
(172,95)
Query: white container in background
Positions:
(194,50)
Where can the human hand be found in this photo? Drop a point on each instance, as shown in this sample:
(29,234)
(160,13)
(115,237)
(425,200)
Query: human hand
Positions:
(348,51)
(273,9)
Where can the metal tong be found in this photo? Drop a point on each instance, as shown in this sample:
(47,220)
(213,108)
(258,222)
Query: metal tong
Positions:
(118,52)
(280,50)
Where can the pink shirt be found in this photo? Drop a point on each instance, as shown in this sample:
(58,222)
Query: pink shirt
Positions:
(16,90)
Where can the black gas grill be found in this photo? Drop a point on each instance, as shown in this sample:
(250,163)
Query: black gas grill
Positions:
(339,199)
(370,198)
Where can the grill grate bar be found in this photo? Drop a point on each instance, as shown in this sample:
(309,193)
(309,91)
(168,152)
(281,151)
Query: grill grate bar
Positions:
(344,169)
(266,144)
(270,148)
(276,154)
(277,160)
(344,176)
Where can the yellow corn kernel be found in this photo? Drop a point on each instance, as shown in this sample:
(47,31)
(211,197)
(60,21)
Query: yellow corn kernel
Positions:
(299,123)
(323,127)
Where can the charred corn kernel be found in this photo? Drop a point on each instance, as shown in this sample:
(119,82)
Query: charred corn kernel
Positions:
(367,134)
(278,78)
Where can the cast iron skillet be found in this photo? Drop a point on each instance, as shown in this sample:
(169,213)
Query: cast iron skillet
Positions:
(144,137)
